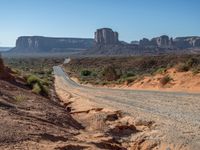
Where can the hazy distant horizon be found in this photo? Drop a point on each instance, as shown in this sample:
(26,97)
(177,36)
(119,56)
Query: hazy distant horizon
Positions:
(79,19)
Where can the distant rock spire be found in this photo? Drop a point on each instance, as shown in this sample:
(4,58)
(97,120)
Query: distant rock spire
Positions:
(106,36)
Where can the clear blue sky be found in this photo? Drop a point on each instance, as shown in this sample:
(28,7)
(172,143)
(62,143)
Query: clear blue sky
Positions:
(133,19)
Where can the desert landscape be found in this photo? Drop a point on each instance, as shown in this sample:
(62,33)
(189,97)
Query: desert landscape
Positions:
(87,115)
(99,75)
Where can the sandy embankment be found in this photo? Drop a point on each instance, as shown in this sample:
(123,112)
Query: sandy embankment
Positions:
(181,82)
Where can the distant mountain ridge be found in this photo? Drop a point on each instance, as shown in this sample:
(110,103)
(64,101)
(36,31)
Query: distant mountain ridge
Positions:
(34,44)
(106,42)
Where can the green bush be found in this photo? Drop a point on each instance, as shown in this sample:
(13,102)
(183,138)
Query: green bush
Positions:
(161,70)
(32,79)
(86,73)
(37,85)
(37,88)
(128,74)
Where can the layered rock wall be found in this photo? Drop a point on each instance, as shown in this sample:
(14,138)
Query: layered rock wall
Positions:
(47,44)
(106,36)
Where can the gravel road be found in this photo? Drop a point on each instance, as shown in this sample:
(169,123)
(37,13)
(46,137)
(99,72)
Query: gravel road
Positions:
(177,113)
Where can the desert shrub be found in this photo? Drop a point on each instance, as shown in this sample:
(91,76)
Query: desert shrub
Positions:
(86,73)
(130,80)
(161,70)
(32,79)
(109,73)
(182,67)
(36,88)
(196,70)
(37,85)
(20,97)
(165,80)
(191,62)
(128,74)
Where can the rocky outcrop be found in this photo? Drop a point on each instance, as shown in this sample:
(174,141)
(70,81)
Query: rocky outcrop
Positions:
(5,72)
(163,41)
(166,42)
(187,42)
(47,44)
(106,36)
(107,43)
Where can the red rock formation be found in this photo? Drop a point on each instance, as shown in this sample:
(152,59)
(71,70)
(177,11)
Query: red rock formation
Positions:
(5,72)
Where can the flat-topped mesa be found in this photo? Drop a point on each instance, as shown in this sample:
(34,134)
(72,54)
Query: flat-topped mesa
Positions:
(187,42)
(49,44)
(163,42)
(106,36)
(177,43)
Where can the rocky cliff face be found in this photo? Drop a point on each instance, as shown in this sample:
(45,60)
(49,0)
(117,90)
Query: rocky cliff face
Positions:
(166,42)
(47,44)
(187,42)
(107,43)
(106,36)
(163,41)
(1,67)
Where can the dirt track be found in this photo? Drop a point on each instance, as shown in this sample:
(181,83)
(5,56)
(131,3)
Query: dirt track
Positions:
(176,114)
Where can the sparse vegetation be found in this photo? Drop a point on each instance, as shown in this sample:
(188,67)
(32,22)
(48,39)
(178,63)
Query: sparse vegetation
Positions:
(86,73)
(37,72)
(38,86)
(161,70)
(119,70)
(20,98)
(182,67)
(166,79)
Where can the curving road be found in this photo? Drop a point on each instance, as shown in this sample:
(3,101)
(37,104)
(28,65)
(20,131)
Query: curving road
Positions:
(179,106)
(177,110)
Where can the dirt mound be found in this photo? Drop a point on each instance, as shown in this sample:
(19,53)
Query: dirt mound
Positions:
(175,81)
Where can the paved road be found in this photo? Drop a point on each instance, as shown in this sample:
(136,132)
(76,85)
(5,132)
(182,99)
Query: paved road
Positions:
(181,107)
